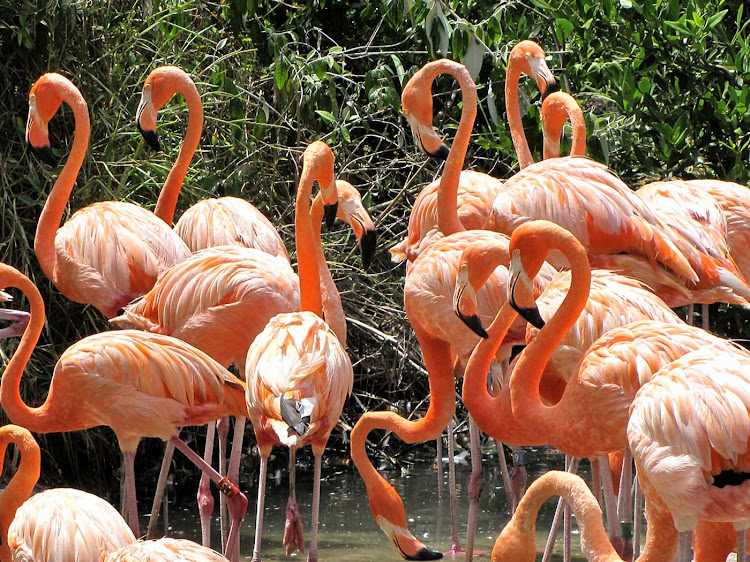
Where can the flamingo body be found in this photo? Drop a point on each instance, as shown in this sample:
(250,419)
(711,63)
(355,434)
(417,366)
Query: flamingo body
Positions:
(66,525)
(164,550)
(228,221)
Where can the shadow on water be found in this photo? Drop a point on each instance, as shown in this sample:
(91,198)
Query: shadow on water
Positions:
(347,530)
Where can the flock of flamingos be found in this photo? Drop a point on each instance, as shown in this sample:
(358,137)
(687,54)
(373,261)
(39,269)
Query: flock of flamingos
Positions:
(562,257)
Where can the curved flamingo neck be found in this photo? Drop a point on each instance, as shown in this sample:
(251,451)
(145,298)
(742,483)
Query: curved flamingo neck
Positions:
(448,221)
(22,484)
(330,297)
(49,220)
(439,364)
(513,111)
(307,253)
(167,203)
(38,419)
(527,374)
(556,110)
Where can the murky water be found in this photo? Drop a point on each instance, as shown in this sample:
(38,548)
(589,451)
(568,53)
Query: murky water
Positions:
(347,530)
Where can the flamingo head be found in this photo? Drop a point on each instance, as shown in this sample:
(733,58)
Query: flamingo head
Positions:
(388,512)
(352,211)
(319,158)
(45,98)
(529,57)
(159,87)
(416,105)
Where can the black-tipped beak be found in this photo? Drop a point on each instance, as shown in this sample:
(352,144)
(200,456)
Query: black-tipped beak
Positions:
(530,314)
(550,87)
(290,414)
(441,153)
(474,324)
(329,212)
(426,553)
(151,138)
(367,247)
(44,153)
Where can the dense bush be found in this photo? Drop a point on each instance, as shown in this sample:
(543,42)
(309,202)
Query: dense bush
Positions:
(662,85)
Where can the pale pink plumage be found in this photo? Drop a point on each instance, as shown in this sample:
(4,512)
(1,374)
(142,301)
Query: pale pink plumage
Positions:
(689,424)
(66,525)
(164,550)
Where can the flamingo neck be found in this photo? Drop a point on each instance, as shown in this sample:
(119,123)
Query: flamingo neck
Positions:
(167,203)
(558,111)
(49,220)
(447,206)
(515,122)
(22,484)
(305,243)
(527,374)
(39,419)
(330,297)
(438,361)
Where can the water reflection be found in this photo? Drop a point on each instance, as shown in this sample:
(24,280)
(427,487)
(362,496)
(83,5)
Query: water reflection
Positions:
(347,530)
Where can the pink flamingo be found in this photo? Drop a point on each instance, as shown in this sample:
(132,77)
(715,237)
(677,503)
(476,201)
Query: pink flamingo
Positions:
(56,525)
(298,372)
(110,252)
(137,383)
(165,549)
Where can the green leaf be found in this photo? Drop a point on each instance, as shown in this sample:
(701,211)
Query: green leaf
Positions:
(473,57)
(563,28)
(644,85)
(627,4)
(327,116)
(714,20)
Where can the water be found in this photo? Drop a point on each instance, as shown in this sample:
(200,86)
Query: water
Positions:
(347,530)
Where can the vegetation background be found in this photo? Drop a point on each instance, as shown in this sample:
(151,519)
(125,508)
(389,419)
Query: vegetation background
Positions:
(662,84)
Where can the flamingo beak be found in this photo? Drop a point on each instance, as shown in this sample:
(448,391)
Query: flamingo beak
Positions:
(37,136)
(406,544)
(367,247)
(531,313)
(472,321)
(20,320)
(145,119)
(329,212)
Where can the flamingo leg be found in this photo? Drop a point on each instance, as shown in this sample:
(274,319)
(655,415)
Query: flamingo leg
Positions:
(259,508)
(638,511)
(566,532)
(293,538)
(684,547)
(476,483)
(506,475)
(572,467)
(610,501)
(625,505)
(222,430)
(704,316)
(160,488)
(312,556)
(131,506)
(233,471)
(237,502)
(205,497)
(455,544)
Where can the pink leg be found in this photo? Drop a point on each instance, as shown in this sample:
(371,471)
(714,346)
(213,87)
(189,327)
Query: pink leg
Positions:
(455,544)
(475,487)
(704,317)
(222,430)
(132,503)
(237,502)
(259,509)
(233,472)
(205,497)
(572,467)
(313,554)
(506,475)
(610,502)
(160,487)
(293,537)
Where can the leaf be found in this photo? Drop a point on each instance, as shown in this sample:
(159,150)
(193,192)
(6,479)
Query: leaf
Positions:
(644,85)
(491,106)
(220,45)
(473,57)
(714,20)
(627,4)
(563,28)
(327,116)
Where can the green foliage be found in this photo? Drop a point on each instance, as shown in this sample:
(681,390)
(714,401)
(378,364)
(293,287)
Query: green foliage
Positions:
(661,83)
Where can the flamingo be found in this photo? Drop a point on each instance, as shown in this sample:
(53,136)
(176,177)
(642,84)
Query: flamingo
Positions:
(165,549)
(110,252)
(138,383)
(210,222)
(220,298)
(689,431)
(298,373)
(463,198)
(57,525)
(517,541)
(19,319)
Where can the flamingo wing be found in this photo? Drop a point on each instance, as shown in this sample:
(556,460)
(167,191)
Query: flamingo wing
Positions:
(111,252)
(66,525)
(165,549)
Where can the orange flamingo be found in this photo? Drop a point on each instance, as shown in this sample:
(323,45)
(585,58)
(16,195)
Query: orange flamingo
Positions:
(689,432)
(165,549)
(110,252)
(210,222)
(690,219)
(56,525)
(298,373)
(517,541)
(137,383)
(463,198)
